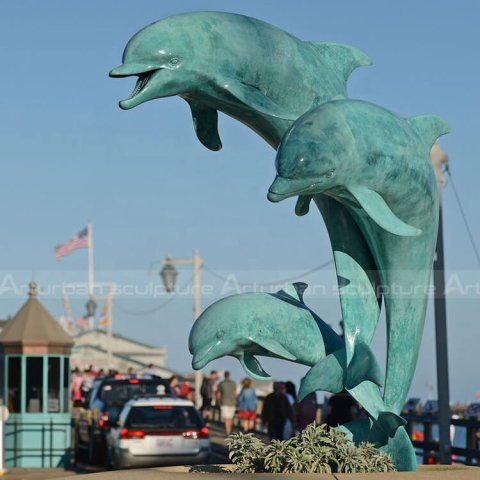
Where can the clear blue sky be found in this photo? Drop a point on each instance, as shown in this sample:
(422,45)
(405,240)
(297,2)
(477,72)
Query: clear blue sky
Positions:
(70,154)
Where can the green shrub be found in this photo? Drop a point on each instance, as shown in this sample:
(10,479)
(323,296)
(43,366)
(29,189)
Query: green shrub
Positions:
(318,449)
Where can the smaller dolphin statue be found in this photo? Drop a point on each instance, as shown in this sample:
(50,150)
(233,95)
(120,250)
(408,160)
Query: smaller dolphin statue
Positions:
(280,325)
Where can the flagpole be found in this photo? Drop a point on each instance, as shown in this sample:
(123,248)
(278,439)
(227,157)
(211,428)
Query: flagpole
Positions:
(90,269)
(110,326)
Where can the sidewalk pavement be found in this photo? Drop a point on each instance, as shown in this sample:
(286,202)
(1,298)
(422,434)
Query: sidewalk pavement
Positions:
(219,456)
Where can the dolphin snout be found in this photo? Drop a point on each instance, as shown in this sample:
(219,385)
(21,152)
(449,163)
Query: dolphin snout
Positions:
(129,69)
(278,189)
(282,188)
(198,362)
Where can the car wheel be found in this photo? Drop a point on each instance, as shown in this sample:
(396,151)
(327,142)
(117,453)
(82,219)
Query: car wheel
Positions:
(110,465)
(78,450)
(95,451)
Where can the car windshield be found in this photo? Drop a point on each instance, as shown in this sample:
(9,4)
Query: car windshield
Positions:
(119,392)
(163,417)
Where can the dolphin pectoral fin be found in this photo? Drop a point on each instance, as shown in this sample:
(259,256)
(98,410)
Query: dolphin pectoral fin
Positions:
(258,101)
(252,367)
(377,209)
(328,375)
(274,347)
(363,366)
(344,57)
(303,205)
(205,122)
(385,427)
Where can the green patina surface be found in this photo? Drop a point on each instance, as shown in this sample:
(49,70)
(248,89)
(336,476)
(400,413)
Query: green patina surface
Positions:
(366,170)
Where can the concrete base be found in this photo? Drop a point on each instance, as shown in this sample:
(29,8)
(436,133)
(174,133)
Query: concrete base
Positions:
(214,472)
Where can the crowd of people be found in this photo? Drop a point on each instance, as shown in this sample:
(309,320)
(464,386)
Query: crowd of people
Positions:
(281,413)
(82,381)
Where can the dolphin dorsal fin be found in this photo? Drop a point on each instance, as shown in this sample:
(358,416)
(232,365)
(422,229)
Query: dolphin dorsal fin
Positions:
(429,127)
(342,57)
(295,290)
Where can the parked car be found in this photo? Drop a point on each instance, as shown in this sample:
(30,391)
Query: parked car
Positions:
(102,408)
(156,432)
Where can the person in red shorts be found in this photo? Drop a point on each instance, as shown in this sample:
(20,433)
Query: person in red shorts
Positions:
(247,405)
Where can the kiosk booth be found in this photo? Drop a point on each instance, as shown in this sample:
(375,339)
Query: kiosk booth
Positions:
(35,378)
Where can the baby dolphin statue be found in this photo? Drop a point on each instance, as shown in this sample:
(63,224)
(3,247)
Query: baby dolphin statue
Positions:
(280,325)
(377,165)
(277,325)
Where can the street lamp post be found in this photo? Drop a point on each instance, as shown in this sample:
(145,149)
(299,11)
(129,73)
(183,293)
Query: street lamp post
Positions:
(439,160)
(169,275)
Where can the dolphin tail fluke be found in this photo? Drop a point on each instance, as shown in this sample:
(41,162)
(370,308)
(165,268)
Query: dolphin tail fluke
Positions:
(385,427)
(327,375)
(331,373)
(399,446)
(363,366)
(401,450)
(342,57)
(429,127)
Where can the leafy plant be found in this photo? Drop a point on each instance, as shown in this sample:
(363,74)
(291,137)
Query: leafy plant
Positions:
(318,449)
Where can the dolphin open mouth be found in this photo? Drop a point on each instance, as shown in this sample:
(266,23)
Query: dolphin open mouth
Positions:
(144,73)
(140,86)
(141,83)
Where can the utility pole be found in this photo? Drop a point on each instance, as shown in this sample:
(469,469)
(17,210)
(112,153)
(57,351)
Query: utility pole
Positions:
(440,159)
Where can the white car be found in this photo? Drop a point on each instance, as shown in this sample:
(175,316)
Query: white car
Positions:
(157,431)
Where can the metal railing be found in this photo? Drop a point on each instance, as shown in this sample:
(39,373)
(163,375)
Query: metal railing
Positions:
(428,448)
(46,451)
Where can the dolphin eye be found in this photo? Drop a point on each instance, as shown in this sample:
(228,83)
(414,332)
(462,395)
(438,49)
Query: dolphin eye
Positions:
(220,334)
(174,62)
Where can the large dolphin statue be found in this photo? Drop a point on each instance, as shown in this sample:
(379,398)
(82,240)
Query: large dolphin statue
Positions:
(265,78)
(377,165)
(280,325)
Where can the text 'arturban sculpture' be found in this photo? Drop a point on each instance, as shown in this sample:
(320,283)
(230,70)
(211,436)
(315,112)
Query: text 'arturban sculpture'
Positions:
(366,169)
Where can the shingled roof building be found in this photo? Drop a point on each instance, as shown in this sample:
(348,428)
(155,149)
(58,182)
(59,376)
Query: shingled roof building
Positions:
(34,367)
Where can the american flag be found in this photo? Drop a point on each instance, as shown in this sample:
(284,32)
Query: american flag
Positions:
(78,241)
(82,323)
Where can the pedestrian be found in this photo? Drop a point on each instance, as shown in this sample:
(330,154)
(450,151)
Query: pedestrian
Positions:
(88,380)
(227,396)
(247,405)
(131,372)
(76,386)
(206,392)
(290,425)
(151,370)
(276,410)
(185,390)
(175,385)
(307,411)
(341,408)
